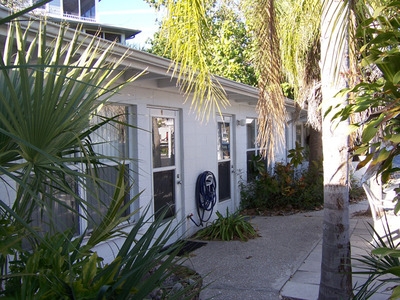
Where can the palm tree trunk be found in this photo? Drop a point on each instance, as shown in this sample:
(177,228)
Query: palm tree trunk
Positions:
(335,265)
(315,146)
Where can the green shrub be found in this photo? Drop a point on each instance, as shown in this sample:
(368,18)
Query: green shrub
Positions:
(232,227)
(60,265)
(285,186)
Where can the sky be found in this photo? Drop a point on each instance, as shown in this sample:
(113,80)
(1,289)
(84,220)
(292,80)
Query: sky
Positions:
(134,14)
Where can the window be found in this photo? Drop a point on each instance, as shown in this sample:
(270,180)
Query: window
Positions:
(253,149)
(88,9)
(99,195)
(106,35)
(163,133)
(299,134)
(113,37)
(301,138)
(79,9)
(54,7)
(71,7)
(110,140)
(251,128)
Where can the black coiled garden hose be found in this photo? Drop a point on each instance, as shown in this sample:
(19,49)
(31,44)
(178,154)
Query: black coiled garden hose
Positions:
(206,196)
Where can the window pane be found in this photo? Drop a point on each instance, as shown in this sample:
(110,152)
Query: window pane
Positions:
(224,180)
(63,208)
(100,194)
(251,133)
(71,7)
(111,138)
(164,193)
(299,134)
(88,9)
(223,141)
(254,163)
(163,142)
(112,37)
(251,172)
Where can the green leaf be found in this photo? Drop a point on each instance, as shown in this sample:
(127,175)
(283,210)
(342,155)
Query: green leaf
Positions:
(371,130)
(395,138)
(397,207)
(365,161)
(393,270)
(89,270)
(396,78)
(386,252)
(396,293)
(382,155)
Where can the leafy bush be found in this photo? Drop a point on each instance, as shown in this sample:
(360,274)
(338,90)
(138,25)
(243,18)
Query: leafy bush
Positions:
(285,186)
(61,266)
(232,227)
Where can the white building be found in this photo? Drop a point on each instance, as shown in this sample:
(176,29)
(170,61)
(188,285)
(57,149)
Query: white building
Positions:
(171,148)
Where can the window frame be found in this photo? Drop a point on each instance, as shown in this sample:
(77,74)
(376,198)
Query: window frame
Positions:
(80,223)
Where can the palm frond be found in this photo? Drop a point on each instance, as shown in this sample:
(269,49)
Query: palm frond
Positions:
(23,11)
(187,28)
(271,105)
(50,89)
(298,29)
(383,259)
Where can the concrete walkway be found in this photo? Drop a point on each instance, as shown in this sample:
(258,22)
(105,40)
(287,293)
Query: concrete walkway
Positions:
(283,263)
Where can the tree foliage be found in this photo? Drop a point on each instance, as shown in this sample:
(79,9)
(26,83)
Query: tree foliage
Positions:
(230,47)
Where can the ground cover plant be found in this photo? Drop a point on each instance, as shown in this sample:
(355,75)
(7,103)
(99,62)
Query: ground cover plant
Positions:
(231,227)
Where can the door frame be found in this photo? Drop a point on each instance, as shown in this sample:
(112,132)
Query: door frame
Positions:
(229,203)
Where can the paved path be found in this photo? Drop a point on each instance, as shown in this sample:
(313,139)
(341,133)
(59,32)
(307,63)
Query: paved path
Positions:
(284,262)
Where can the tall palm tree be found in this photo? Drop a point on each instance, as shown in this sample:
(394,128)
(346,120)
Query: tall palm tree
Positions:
(336,278)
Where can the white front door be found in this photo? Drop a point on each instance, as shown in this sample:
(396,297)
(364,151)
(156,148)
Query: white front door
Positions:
(225,166)
(166,169)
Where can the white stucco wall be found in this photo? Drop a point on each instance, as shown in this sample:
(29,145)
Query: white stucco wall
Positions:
(198,146)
